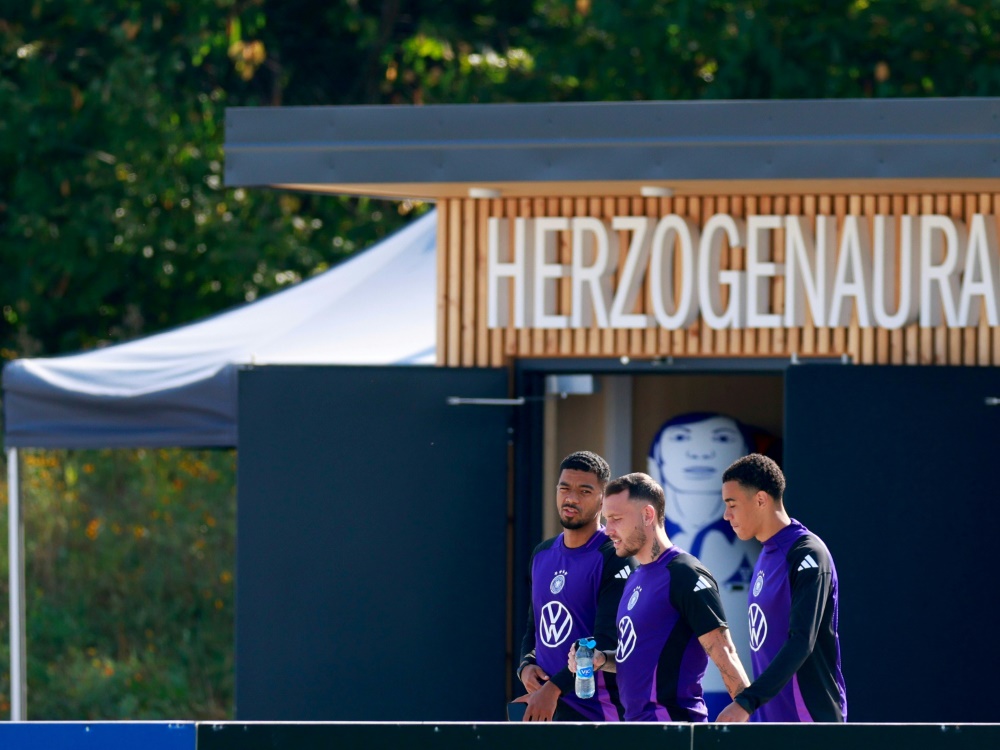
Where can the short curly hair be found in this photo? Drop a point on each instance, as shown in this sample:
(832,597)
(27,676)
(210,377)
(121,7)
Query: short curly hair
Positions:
(757,472)
(587,461)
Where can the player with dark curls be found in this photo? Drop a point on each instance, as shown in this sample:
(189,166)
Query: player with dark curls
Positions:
(792,605)
(670,619)
(576,582)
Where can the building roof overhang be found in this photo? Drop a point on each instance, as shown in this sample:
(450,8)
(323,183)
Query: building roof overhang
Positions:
(620,148)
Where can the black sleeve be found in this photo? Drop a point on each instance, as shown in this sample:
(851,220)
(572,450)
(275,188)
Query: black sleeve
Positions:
(810,578)
(528,642)
(615,576)
(695,594)
(564,679)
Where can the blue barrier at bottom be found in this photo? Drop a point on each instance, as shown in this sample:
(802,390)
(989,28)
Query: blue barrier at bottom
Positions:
(97,735)
(112,735)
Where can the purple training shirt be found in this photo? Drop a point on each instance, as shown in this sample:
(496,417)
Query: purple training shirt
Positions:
(793,604)
(667,605)
(575,593)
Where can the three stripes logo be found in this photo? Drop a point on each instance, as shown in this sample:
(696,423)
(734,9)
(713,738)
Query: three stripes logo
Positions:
(624,572)
(703,584)
(807,563)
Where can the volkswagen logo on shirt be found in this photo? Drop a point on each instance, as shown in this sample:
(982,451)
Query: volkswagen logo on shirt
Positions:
(758,627)
(555,624)
(626,638)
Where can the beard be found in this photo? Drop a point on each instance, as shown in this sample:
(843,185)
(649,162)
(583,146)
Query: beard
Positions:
(635,542)
(574,523)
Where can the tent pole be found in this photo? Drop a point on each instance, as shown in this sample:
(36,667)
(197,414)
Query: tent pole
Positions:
(15,551)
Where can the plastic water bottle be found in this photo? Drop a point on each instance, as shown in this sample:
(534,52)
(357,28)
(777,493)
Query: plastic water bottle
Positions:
(585,687)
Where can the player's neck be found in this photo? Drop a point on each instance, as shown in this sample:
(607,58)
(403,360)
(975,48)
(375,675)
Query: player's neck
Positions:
(775,522)
(655,547)
(579,537)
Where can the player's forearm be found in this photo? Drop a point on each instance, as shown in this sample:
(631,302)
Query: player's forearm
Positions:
(720,648)
(781,669)
(563,680)
(731,669)
(608,665)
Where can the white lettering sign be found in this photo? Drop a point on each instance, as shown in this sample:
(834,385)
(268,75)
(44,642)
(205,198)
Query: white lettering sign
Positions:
(884,274)
(890,272)
(709,292)
(853,277)
(593,266)
(673,235)
(622,315)
(760,271)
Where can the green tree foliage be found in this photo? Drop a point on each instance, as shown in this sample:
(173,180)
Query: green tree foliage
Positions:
(113,218)
(114,223)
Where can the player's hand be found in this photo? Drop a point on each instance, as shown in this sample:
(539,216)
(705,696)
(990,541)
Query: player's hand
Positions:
(571,660)
(733,712)
(533,677)
(541,703)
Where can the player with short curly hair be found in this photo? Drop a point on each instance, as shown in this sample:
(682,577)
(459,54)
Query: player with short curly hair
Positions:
(576,582)
(792,605)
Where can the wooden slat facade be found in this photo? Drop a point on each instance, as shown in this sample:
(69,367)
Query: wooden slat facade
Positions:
(464,339)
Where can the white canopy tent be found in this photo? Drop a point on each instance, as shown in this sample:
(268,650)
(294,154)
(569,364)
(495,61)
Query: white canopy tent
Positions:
(178,388)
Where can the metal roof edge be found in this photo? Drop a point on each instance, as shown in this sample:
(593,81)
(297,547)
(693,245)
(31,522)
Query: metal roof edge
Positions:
(768,139)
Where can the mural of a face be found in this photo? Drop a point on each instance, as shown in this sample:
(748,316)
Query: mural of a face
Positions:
(689,458)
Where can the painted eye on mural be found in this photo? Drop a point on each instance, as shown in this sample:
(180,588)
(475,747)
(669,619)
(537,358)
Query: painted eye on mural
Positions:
(678,436)
(725,437)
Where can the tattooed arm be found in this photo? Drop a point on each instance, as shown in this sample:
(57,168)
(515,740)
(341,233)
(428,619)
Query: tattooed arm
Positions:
(718,644)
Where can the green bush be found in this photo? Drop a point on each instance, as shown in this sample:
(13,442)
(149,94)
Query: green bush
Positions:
(130,559)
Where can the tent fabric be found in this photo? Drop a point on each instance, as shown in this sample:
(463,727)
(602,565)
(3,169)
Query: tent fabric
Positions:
(178,388)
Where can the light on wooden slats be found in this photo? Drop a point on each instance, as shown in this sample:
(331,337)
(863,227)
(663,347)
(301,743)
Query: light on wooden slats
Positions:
(479,252)
(454,282)
(441,349)
(469,280)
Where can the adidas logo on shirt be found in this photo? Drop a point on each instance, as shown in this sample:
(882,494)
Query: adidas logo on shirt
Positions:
(624,572)
(809,562)
(703,583)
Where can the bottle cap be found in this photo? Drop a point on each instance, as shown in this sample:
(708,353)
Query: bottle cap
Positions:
(587,642)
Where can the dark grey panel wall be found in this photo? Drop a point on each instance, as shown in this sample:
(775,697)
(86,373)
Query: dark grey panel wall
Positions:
(896,469)
(371,572)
